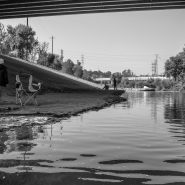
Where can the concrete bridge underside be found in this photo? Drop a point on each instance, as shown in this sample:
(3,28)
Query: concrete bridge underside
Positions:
(35,8)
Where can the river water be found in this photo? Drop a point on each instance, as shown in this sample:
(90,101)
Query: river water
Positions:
(140,141)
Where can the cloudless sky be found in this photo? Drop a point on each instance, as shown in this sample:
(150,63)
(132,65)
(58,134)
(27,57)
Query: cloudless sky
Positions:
(114,41)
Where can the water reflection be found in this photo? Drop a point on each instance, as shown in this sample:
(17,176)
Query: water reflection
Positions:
(18,133)
(141,140)
(175,115)
(20,139)
(151,99)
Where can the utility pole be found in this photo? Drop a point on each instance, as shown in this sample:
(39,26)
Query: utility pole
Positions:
(27,21)
(52,44)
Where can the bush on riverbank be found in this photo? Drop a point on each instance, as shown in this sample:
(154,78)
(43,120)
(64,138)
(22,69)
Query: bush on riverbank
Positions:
(158,84)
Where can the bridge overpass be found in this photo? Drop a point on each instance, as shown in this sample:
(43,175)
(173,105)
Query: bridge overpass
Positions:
(35,8)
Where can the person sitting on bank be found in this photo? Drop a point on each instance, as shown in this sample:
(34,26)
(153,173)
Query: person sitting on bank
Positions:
(106,86)
(3,78)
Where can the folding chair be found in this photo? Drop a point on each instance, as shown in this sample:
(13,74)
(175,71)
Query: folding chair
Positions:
(32,92)
(19,90)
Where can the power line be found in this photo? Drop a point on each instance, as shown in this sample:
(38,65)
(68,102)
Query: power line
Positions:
(107,55)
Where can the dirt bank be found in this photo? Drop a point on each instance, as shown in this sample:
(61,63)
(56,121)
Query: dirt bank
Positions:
(61,104)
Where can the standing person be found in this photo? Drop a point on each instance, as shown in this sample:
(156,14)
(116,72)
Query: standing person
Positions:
(3,77)
(115,83)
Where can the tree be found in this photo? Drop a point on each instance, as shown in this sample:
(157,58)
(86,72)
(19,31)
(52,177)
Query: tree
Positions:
(77,70)
(167,84)
(2,35)
(50,59)
(39,53)
(127,73)
(174,67)
(67,67)
(42,49)
(86,75)
(42,53)
(149,83)
(107,74)
(21,39)
(57,64)
(181,54)
(3,44)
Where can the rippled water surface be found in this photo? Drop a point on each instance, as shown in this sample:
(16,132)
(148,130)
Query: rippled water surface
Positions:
(141,141)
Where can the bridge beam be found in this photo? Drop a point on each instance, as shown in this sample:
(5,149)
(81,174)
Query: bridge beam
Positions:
(36,8)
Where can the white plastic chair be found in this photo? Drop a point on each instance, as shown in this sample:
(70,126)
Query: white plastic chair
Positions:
(32,92)
(19,90)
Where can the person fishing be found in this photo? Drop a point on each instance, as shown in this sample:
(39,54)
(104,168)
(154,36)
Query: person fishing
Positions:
(115,83)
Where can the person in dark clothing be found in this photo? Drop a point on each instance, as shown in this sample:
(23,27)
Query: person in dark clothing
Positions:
(3,77)
(115,83)
(106,86)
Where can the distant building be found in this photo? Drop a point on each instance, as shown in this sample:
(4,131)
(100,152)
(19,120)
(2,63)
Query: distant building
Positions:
(145,78)
(103,80)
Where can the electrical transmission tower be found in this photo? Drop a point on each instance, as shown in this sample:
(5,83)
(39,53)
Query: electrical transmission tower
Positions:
(62,55)
(155,66)
(82,60)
